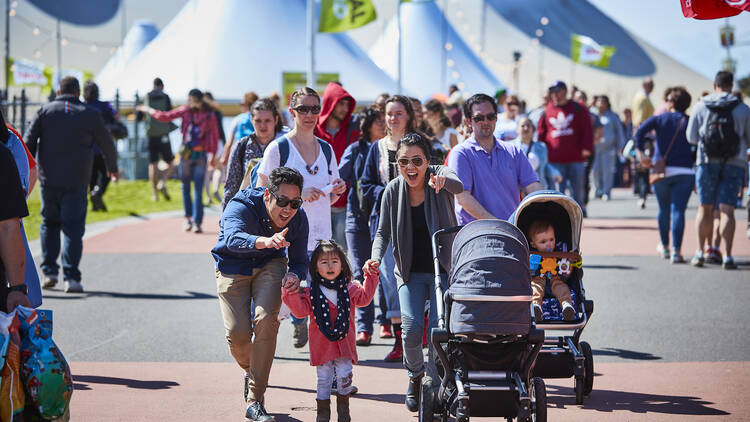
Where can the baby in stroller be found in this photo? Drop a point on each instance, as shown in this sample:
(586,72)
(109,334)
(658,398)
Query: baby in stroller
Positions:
(547,267)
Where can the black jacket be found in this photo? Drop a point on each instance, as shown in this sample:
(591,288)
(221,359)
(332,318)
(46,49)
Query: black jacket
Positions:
(62,136)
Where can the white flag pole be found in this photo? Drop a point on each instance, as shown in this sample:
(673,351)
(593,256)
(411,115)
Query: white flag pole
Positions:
(310,44)
(398,21)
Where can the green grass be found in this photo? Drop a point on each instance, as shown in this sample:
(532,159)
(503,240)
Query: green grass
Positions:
(123,198)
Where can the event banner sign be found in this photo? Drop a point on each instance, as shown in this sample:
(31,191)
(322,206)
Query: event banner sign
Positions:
(291,81)
(343,15)
(587,51)
(24,73)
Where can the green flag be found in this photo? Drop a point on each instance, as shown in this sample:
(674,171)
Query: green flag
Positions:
(343,15)
(587,51)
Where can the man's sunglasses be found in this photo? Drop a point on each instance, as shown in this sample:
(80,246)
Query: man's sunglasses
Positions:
(283,201)
(417,161)
(481,117)
(303,109)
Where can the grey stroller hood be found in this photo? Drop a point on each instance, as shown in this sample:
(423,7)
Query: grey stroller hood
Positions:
(489,284)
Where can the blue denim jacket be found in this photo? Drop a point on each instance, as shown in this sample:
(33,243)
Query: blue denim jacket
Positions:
(351,170)
(546,171)
(244,220)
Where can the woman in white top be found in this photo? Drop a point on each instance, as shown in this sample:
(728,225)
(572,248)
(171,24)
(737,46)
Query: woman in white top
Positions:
(440,124)
(506,128)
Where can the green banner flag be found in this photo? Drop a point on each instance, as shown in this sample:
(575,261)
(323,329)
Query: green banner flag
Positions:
(343,15)
(585,50)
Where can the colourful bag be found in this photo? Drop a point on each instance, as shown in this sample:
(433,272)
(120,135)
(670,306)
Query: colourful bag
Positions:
(12,397)
(44,371)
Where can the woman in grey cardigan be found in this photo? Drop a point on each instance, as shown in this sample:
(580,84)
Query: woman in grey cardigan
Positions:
(415,205)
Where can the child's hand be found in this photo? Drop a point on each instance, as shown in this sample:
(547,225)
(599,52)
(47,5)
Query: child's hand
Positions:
(290,282)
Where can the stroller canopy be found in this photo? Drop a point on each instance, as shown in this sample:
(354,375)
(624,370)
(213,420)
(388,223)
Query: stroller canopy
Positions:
(559,209)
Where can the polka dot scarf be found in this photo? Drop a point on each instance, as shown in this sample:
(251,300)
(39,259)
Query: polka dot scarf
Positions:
(340,327)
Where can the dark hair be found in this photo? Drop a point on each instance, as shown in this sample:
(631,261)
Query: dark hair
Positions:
(90,91)
(415,140)
(680,98)
(158,82)
(724,80)
(536,227)
(250,98)
(478,99)
(513,100)
(196,93)
(367,117)
(302,92)
(406,102)
(266,104)
(435,106)
(605,98)
(666,93)
(284,175)
(325,247)
(69,85)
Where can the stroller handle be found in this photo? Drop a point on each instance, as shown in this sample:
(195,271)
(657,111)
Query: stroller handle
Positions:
(436,262)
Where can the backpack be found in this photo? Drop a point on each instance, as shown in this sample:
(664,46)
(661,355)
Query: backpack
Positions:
(244,127)
(283,143)
(720,140)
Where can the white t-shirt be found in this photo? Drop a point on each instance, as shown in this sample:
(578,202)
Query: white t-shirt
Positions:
(330,294)
(318,212)
(446,138)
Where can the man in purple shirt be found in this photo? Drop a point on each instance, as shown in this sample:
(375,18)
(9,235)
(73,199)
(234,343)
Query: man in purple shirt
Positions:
(493,172)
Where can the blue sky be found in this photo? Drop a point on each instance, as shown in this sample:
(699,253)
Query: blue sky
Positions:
(692,42)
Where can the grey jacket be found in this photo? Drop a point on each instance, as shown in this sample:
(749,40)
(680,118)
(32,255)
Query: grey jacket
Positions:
(65,131)
(696,127)
(395,219)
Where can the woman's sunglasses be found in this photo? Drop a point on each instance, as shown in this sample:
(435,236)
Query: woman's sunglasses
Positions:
(303,109)
(417,161)
(283,201)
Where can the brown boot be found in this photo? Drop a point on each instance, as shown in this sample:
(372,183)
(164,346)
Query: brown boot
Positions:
(324,410)
(342,408)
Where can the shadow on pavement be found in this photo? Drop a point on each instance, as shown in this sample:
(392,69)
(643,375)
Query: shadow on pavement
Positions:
(283,417)
(119,295)
(610,267)
(625,354)
(376,363)
(648,228)
(609,401)
(390,398)
(130,383)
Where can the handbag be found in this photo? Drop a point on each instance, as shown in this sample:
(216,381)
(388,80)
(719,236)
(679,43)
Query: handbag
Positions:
(658,169)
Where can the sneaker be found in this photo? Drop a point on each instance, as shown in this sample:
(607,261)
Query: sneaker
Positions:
(697,260)
(247,386)
(256,412)
(677,259)
(569,312)
(605,197)
(155,197)
(164,192)
(728,263)
(385,331)
(217,197)
(642,203)
(300,335)
(538,313)
(72,286)
(187,225)
(49,282)
(662,251)
(364,338)
(197,229)
(713,255)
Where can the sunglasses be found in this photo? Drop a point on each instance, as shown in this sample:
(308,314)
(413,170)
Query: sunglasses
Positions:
(283,201)
(303,109)
(480,118)
(416,161)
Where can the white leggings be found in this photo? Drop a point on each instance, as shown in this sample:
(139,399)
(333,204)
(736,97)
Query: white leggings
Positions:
(341,368)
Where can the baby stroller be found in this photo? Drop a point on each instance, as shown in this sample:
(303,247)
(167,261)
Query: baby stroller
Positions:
(562,356)
(486,341)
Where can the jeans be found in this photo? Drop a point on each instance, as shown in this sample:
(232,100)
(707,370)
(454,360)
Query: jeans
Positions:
(341,370)
(575,174)
(390,284)
(604,173)
(673,193)
(338,226)
(413,295)
(63,209)
(193,170)
(359,252)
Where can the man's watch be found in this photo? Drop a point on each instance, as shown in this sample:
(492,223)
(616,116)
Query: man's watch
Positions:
(19,288)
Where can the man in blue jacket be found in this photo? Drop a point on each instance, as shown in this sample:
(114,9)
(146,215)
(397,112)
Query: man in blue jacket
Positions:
(257,227)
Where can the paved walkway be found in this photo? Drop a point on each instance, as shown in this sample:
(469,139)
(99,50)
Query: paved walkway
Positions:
(146,342)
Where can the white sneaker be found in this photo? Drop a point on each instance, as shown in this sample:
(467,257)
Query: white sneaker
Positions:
(72,286)
(569,312)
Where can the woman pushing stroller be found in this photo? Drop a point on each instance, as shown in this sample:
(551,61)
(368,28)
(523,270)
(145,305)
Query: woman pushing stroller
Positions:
(415,205)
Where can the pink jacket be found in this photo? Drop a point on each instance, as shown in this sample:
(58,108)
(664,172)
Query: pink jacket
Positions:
(205,119)
(323,350)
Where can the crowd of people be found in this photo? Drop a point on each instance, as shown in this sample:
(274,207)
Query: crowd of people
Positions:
(328,208)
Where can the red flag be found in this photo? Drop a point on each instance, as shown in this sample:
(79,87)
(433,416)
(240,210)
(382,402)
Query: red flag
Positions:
(713,9)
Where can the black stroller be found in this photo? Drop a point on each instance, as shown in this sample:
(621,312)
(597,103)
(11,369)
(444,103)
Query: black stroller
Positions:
(486,341)
(562,356)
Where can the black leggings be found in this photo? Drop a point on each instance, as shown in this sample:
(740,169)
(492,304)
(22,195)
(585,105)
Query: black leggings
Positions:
(99,174)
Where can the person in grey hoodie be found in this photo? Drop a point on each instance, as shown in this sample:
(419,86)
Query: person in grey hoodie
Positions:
(718,179)
(414,206)
(605,153)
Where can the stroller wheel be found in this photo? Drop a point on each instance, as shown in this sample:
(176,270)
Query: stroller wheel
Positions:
(538,400)
(427,402)
(588,368)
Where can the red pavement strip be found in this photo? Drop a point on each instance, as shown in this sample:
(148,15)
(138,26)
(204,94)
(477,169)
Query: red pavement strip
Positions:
(135,391)
(600,237)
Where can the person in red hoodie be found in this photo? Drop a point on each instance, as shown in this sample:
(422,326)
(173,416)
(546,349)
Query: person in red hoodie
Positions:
(565,126)
(338,127)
